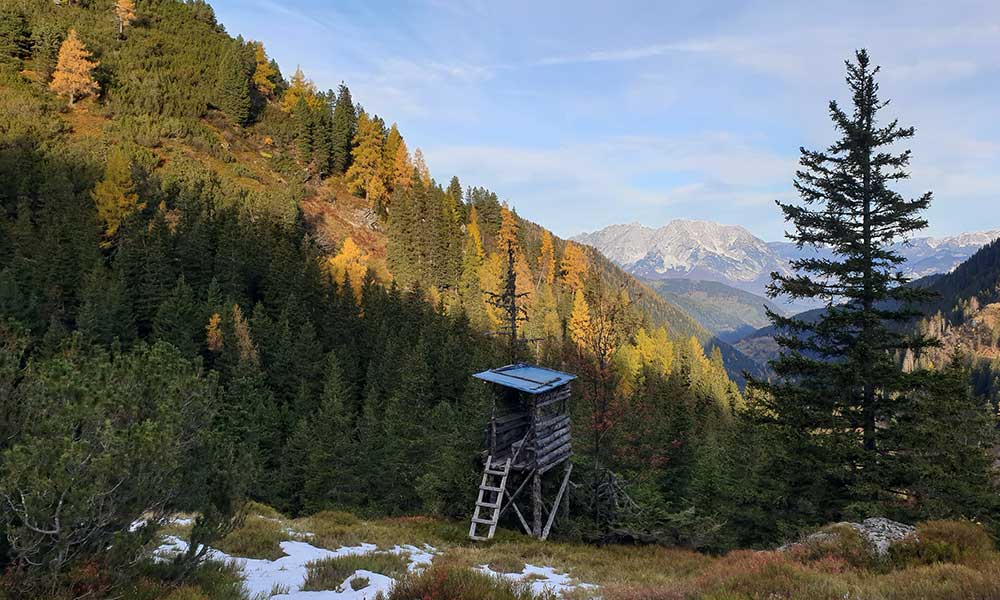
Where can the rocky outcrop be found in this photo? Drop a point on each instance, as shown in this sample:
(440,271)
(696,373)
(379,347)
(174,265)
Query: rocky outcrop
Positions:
(880,533)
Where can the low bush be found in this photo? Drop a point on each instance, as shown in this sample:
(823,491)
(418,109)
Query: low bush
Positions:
(330,573)
(451,582)
(943,542)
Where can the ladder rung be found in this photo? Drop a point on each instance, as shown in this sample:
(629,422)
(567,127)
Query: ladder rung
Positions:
(489,504)
(501,473)
(479,538)
(490,488)
(483,521)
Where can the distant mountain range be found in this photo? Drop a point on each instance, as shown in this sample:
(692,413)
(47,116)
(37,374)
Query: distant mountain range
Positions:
(730,254)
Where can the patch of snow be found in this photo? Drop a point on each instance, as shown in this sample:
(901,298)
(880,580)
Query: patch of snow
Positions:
(183,521)
(541,579)
(288,573)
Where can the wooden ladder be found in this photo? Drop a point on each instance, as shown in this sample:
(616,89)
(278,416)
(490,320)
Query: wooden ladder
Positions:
(487,489)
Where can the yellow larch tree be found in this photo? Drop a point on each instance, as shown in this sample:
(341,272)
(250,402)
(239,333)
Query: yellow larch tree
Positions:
(402,168)
(114,195)
(508,233)
(579,320)
(263,72)
(473,230)
(421,167)
(213,333)
(508,229)
(365,173)
(300,87)
(125,12)
(73,76)
(350,264)
(390,147)
(244,341)
(547,258)
(573,266)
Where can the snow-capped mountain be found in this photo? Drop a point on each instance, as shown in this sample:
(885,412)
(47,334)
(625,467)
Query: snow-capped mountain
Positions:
(690,249)
(730,254)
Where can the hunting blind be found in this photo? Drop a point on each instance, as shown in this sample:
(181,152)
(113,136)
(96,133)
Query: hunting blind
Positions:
(529,430)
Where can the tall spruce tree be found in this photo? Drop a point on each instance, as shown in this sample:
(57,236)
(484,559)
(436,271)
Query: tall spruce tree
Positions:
(345,123)
(234,85)
(839,389)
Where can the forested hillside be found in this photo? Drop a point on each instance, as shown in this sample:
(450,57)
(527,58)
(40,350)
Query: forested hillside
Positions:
(965,315)
(218,284)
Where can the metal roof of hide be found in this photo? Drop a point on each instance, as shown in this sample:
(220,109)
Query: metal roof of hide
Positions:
(526,378)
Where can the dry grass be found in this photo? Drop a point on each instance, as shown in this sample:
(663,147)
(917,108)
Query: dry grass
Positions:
(330,573)
(447,581)
(259,537)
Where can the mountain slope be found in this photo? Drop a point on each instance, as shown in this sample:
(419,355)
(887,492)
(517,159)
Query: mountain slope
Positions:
(728,312)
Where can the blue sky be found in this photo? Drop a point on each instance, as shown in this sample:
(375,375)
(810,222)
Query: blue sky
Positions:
(583,114)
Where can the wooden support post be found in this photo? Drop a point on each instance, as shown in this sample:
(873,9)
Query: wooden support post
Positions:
(520,517)
(536,500)
(555,504)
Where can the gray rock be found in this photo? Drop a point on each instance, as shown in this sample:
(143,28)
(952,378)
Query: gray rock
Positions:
(882,533)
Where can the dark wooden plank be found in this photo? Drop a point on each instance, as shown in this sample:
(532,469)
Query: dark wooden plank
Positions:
(543,427)
(557,442)
(555,458)
(545,439)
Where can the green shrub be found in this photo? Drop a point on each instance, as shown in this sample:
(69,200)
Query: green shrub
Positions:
(943,542)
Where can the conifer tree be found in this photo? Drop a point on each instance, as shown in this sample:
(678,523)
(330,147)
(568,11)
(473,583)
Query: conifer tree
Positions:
(125,13)
(454,191)
(177,320)
(114,196)
(234,86)
(15,39)
(950,436)
(839,389)
(73,75)
(345,123)
(322,141)
(331,466)
(302,118)
(105,314)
